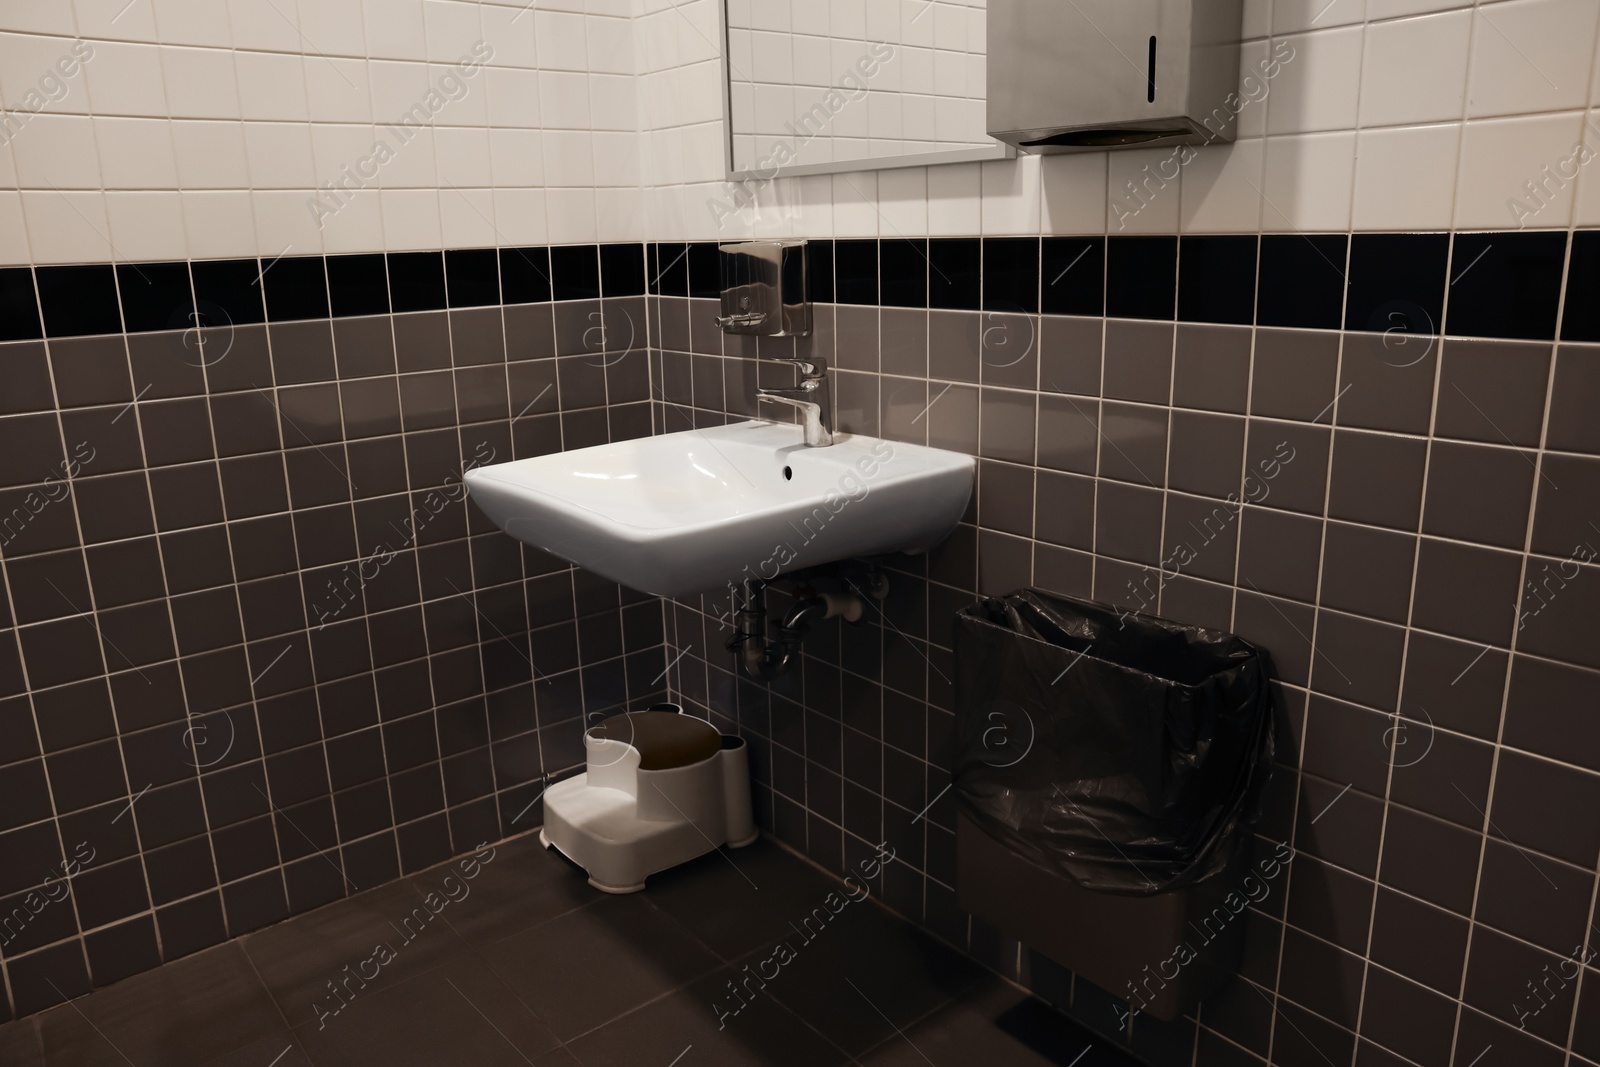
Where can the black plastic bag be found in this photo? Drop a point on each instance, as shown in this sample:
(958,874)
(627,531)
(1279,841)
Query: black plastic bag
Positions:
(1127,752)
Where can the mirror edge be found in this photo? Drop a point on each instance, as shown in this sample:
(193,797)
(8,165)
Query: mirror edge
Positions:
(998,150)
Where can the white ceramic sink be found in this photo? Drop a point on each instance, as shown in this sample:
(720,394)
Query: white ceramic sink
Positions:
(687,512)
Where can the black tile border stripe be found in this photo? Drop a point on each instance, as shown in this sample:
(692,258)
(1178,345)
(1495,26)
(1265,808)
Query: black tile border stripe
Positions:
(84,300)
(1499,285)
(1496,285)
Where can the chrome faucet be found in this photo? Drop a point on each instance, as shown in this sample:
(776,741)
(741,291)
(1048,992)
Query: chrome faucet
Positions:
(810,396)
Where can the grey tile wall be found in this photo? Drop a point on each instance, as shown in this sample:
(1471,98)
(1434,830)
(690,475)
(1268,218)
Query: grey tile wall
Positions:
(1408,522)
(256,652)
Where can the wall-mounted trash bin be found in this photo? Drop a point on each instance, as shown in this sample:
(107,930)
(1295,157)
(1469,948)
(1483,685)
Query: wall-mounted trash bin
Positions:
(1109,768)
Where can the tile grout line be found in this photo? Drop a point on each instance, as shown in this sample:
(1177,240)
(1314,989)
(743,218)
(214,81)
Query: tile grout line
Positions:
(102,643)
(1405,654)
(16,640)
(1555,360)
(1312,666)
(281,866)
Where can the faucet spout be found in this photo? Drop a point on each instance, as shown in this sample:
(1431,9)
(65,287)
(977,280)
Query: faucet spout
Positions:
(810,397)
(816,434)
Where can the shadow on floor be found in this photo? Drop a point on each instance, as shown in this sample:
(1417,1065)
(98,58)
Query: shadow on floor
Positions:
(751,956)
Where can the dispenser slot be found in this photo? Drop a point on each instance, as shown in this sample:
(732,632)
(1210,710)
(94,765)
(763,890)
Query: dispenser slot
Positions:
(1150,77)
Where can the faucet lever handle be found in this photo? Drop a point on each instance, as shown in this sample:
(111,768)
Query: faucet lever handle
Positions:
(807,366)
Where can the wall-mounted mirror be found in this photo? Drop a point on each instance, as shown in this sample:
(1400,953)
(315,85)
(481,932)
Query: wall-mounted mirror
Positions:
(818,87)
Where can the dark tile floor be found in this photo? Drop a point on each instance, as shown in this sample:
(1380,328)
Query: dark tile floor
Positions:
(523,963)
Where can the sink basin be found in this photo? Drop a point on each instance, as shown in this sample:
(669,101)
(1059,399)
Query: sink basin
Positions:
(685,513)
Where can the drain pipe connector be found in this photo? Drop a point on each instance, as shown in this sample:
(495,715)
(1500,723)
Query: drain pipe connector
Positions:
(764,658)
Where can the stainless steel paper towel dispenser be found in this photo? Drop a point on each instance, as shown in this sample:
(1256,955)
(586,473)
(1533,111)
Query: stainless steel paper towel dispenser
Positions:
(1079,75)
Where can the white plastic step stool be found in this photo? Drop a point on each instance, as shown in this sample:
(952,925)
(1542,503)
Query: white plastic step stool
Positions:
(660,789)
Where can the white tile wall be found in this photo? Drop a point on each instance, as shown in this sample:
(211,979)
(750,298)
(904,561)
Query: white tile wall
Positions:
(1586,212)
(265,24)
(1388,115)
(1308,182)
(1396,88)
(122,78)
(203,127)
(1222,189)
(76,222)
(1531,55)
(150,221)
(1144,190)
(1403,174)
(1498,156)
(955,196)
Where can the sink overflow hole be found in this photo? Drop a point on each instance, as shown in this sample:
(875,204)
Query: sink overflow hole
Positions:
(788,473)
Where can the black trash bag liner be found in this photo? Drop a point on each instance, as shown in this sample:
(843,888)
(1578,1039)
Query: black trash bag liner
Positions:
(1127,752)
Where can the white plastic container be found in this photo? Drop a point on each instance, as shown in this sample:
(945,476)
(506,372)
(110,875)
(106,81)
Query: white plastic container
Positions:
(622,823)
